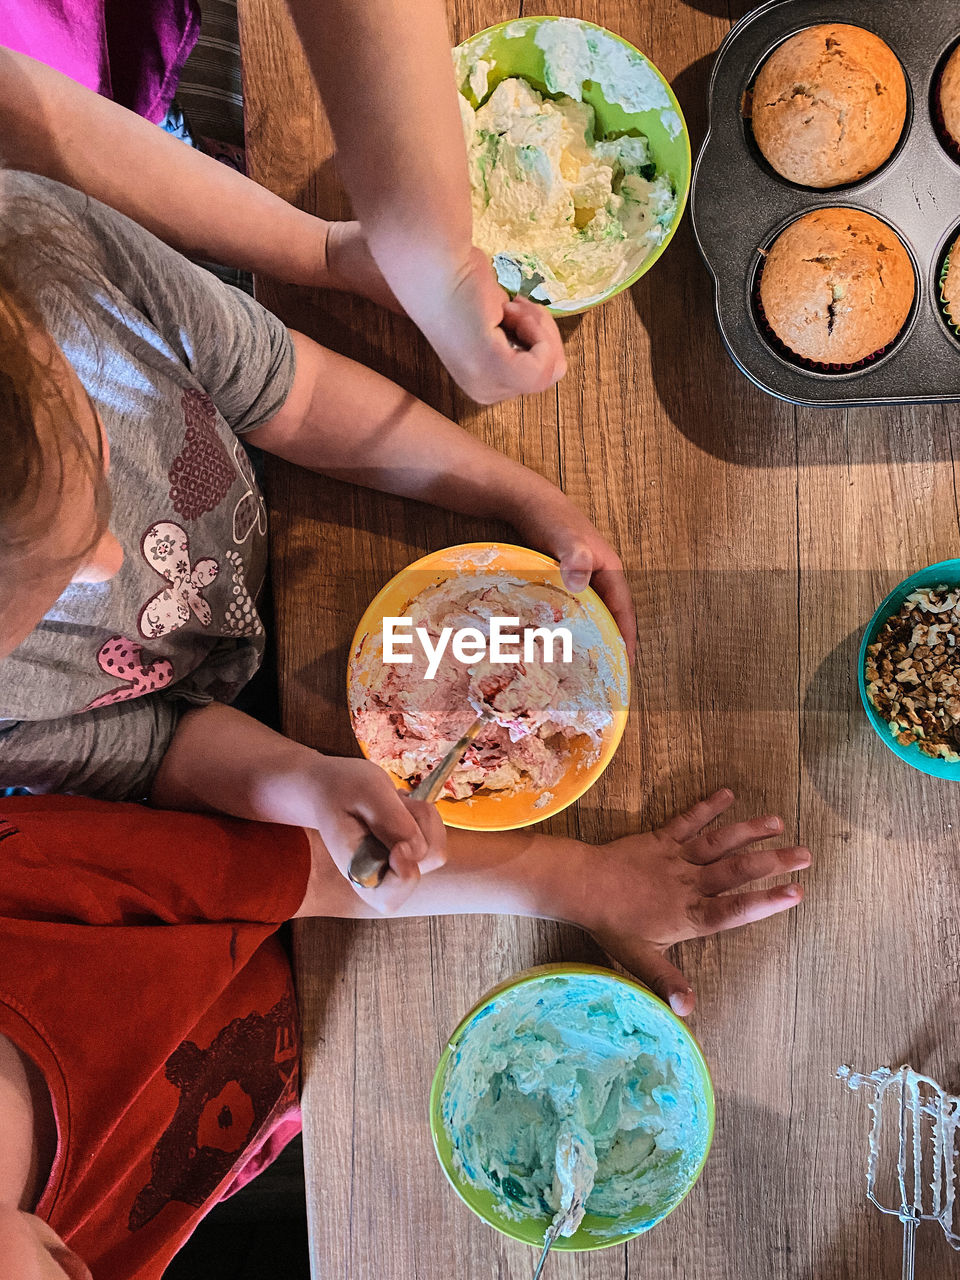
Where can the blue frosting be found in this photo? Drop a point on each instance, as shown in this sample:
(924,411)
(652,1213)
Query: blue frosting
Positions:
(587,1055)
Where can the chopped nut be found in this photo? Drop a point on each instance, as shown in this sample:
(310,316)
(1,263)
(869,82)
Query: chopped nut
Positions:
(912,672)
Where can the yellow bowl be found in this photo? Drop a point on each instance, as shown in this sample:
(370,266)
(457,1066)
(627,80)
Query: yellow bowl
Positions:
(495,812)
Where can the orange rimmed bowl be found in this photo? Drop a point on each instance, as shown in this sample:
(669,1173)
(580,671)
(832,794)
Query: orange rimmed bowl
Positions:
(494,811)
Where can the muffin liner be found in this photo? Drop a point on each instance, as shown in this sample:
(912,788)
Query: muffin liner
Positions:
(952,324)
(945,137)
(781,348)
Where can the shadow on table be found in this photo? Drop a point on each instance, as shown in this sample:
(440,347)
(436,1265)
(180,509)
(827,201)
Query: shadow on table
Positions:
(732,9)
(750,1180)
(761,1178)
(701,390)
(926,1052)
(352,326)
(870,1245)
(313,515)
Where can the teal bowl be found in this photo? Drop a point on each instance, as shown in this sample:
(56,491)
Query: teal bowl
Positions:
(595,1232)
(943,573)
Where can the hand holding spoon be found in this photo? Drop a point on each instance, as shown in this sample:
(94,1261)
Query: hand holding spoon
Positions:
(575,1171)
(371,860)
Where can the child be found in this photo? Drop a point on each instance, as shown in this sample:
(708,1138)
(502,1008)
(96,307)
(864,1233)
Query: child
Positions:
(123,637)
(127,376)
(115,352)
(386,77)
(129,1103)
(371,57)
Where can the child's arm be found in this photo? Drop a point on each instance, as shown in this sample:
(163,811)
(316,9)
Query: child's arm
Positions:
(344,420)
(386,76)
(222,761)
(638,896)
(52,126)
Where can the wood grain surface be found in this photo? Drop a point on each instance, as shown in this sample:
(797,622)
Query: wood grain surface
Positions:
(758,539)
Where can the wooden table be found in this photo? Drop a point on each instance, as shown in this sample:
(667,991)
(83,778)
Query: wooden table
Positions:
(758,538)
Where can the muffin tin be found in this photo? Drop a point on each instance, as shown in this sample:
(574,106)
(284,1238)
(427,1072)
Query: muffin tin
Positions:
(740,205)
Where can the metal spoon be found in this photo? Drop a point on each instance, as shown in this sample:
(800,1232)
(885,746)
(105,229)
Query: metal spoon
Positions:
(502,262)
(528,284)
(505,265)
(371,859)
(570,1160)
(551,1237)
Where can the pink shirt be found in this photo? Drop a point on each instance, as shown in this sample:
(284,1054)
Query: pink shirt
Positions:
(131,52)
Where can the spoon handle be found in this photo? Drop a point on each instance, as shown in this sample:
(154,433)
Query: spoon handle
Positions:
(543,1257)
(371,859)
(431,786)
(370,862)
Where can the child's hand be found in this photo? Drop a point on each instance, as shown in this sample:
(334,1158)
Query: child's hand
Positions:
(351,797)
(642,894)
(349,266)
(493,347)
(551,522)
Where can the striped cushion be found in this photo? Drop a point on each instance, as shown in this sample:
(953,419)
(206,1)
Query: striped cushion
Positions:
(210,89)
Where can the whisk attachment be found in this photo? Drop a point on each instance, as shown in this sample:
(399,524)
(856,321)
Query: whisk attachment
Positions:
(912,1151)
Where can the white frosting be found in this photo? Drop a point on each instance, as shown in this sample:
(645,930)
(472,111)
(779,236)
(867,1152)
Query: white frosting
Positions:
(574,53)
(549,200)
(919,1156)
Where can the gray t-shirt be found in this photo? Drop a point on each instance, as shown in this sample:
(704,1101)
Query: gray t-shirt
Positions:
(178,367)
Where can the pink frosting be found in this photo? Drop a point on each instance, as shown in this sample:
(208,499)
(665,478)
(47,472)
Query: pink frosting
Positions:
(408,723)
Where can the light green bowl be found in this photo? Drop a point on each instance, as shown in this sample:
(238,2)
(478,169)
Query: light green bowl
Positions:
(510,47)
(531,1228)
(943,573)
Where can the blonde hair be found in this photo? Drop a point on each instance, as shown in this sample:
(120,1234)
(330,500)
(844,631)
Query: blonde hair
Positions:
(41,440)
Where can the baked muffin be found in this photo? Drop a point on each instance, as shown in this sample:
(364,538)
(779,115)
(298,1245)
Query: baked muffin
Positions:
(950,286)
(829,105)
(949,98)
(837,286)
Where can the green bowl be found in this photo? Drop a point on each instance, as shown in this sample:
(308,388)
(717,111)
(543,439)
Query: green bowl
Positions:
(595,1232)
(945,572)
(510,47)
